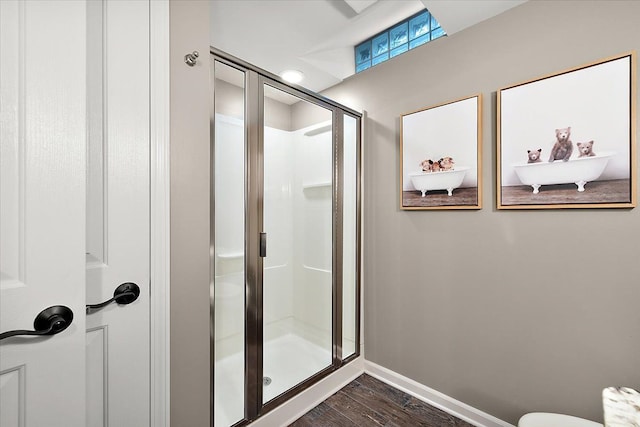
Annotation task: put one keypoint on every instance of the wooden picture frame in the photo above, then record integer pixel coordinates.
(440, 156)
(568, 140)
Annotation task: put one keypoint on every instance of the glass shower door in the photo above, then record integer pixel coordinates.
(228, 294)
(285, 240)
(298, 221)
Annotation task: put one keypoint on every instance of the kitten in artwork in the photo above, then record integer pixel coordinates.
(585, 149)
(426, 165)
(534, 155)
(563, 147)
(446, 163)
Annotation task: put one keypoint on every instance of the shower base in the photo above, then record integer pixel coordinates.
(288, 360)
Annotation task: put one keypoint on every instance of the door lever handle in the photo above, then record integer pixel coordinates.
(124, 294)
(49, 321)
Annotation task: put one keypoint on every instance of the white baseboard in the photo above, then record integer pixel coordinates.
(299, 405)
(434, 397)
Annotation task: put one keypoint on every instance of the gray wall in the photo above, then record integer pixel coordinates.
(190, 189)
(508, 311)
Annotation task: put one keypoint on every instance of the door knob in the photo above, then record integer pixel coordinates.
(49, 321)
(124, 294)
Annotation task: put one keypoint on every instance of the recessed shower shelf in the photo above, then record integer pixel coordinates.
(316, 185)
(230, 255)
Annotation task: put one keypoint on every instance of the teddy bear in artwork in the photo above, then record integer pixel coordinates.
(534, 155)
(585, 149)
(563, 147)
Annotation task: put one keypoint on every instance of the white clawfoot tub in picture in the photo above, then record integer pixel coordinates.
(578, 171)
(442, 180)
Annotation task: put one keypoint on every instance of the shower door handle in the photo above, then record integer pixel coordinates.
(263, 245)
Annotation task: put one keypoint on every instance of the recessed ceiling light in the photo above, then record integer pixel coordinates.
(292, 76)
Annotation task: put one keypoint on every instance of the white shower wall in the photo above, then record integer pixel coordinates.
(297, 269)
(312, 280)
(278, 217)
(229, 233)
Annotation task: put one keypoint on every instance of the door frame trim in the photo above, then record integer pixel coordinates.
(159, 85)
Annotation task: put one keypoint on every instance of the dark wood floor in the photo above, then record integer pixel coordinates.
(367, 401)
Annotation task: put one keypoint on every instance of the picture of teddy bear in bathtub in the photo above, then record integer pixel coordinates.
(440, 157)
(568, 163)
(579, 173)
(564, 140)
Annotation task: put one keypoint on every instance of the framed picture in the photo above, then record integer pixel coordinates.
(568, 140)
(440, 150)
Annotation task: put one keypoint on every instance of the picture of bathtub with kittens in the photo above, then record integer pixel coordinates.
(566, 140)
(438, 174)
(443, 164)
(440, 156)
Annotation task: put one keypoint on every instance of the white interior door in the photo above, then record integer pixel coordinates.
(42, 209)
(74, 210)
(118, 212)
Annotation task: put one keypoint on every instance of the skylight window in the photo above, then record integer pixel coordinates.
(408, 34)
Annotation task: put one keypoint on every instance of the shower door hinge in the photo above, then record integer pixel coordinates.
(263, 245)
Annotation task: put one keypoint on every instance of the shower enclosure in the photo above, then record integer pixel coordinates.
(285, 239)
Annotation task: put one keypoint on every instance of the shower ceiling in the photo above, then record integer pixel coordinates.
(317, 36)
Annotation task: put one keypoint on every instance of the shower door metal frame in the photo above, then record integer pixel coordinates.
(359, 117)
(255, 80)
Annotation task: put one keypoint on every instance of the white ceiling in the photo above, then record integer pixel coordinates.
(317, 36)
